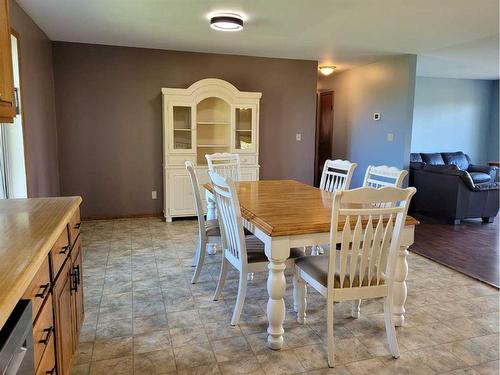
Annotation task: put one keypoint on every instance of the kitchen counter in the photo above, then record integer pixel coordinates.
(28, 230)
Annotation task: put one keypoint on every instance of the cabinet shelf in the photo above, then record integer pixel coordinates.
(244, 130)
(213, 145)
(213, 123)
(182, 130)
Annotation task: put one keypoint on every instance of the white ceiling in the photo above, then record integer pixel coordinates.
(453, 38)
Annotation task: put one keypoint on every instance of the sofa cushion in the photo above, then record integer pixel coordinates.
(479, 177)
(433, 158)
(457, 158)
(415, 158)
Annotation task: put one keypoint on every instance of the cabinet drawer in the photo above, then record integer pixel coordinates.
(175, 160)
(43, 330)
(59, 252)
(48, 362)
(248, 159)
(74, 226)
(39, 288)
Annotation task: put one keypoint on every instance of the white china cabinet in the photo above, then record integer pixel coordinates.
(210, 116)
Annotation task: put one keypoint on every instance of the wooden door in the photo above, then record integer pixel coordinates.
(63, 313)
(324, 133)
(77, 295)
(7, 105)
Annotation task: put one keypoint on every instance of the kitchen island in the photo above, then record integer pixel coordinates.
(40, 260)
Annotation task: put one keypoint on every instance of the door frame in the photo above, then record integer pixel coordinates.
(21, 100)
(317, 174)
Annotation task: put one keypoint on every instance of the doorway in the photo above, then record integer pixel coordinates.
(324, 133)
(13, 182)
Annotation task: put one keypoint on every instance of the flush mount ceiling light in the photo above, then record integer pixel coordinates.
(327, 70)
(226, 22)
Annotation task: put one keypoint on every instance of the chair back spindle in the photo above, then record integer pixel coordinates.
(382, 175)
(336, 175)
(190, 168)
(225, 165)
(229, 215)
(369, 239)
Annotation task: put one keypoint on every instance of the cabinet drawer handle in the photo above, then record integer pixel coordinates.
(45, 289)
(77, 225)
(49, 331)
(51, 372)
(64, 249)
(73, 281)
(77, 273)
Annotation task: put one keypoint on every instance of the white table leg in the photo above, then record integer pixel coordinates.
(276, 285)
(399, 287)
(211, 215)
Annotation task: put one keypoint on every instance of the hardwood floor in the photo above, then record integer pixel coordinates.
(471, 248)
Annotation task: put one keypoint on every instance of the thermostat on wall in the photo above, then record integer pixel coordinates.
(376, 116)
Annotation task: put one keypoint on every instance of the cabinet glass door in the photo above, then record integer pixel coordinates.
(182, 128)
(244, 129)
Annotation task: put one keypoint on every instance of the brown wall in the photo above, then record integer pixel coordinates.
(37, 80)
(109, 118)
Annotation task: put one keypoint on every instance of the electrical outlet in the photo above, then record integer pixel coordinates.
(390, 137)
(298, 137)
(154, 195)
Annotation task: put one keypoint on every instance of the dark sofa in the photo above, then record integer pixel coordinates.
(450, 186)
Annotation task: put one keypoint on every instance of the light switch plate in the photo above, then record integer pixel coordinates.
(154, 195)
(298, 137)
(390, 137)
(376, 116)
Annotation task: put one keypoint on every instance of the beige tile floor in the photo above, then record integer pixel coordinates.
(142, 316)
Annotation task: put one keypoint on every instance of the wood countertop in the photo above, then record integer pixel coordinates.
(28, 230)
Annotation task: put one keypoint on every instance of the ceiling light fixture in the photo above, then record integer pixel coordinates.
(226, 22)
(327, 70)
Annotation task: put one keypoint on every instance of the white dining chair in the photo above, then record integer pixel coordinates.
(208, 230)
(365, 265)
(245, 253)
(337, 175)
(382, 175)
(225, 164)
(378, 177)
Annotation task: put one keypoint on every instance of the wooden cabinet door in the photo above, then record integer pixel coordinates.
(63, 313)
(77, 295)
(7, 106)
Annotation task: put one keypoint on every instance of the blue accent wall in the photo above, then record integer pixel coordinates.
(387, 87)
(455, 115)
(493, 136)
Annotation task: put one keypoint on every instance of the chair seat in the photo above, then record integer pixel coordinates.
(317, 268)
(479, 177)
(213, 229)
(256, 254)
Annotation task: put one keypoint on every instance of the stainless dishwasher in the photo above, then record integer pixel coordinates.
(16, 342)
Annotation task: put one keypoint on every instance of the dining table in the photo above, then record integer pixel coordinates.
(285, 214)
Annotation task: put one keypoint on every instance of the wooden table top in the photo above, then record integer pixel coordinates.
(28, 230)
(286, 207)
